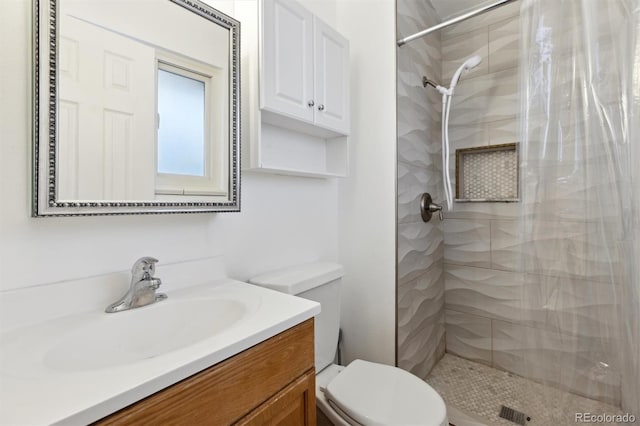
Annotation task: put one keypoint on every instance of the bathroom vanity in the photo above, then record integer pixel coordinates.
(216, 351)
(271, 383)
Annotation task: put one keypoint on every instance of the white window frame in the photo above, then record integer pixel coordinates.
(215, 181)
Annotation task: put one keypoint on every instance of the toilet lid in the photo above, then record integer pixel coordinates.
(376, 395)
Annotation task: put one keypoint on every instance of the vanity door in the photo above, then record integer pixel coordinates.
(295, 405)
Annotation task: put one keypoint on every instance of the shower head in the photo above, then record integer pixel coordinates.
(472, 62)
(469, 64)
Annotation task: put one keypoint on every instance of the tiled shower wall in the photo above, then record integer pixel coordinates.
(543, 320)
(421, 341)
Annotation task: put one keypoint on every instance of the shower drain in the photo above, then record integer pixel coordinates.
(515, 416)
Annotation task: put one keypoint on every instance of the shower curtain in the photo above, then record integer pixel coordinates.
(580, 205)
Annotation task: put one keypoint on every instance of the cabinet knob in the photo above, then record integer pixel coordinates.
(311, 103)
(321, 107)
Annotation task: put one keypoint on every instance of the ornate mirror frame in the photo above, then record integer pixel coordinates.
(45, 124)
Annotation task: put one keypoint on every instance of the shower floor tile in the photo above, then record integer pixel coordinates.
(479, 391)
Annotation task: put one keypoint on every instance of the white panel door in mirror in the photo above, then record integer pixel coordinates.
(103, 76)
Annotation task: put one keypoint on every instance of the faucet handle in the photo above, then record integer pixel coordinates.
(144, 266)
(428, 208)
(436, 208)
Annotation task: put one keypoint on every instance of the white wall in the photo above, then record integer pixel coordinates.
(367, 213)
(284, 220)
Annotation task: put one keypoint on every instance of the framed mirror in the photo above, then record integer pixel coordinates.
(136, 108)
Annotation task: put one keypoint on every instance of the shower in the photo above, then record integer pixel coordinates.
(447, 94)
(527, 306)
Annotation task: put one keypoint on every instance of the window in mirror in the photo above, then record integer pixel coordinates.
(189, 137)
(181, 124)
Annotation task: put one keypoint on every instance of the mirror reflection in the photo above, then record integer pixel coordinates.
(144, 107)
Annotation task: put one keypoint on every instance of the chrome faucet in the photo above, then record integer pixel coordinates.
(142, 290)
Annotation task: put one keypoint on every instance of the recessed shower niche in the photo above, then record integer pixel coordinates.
(487, 173)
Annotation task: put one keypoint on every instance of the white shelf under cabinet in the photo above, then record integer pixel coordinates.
(293, 153)
(281, 133)
(294, 172)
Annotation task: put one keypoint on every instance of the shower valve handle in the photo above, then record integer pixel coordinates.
(428, 208)
(434, 207)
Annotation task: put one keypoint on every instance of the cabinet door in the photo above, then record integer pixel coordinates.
(295, 405)
(287, 59)
(331, 79)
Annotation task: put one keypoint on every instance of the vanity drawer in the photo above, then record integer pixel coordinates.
(280, 369)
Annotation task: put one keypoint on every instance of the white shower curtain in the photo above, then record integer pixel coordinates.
(580, 209)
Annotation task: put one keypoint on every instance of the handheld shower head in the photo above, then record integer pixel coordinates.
(447, 94)
(472, 62)
(466, 66)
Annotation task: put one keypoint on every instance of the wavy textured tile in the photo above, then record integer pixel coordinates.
(418, 137)
(553, 188)
(421, 322)
(412, 182)
(417, 147)
(504, 131)
(568, 249)
(467, 242)
(467, 135)
(555, 193)
(413, 16)
(504, 48)
(418, 114)
(582, 308)
(473, 211)
(457, 49)
(566, 179)
(468, 336)
(420, 246)
(557, 359)
(506, 248)
(486, 98)
(484, 292)
(421, 57)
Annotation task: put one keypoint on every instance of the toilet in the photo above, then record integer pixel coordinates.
(362, 393)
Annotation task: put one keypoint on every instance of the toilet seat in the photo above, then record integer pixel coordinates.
(374, 394)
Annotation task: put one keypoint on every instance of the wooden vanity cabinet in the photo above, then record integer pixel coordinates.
(271, 383)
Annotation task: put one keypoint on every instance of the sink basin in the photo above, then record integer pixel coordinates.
(136, 335)
(81, 364)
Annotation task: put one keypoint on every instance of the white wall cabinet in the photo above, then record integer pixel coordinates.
(287, 60)
(299, 123)
(305, 67)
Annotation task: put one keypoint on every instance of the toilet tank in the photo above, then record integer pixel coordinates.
(319, 282)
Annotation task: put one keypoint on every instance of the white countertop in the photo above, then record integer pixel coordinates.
(35, 393)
